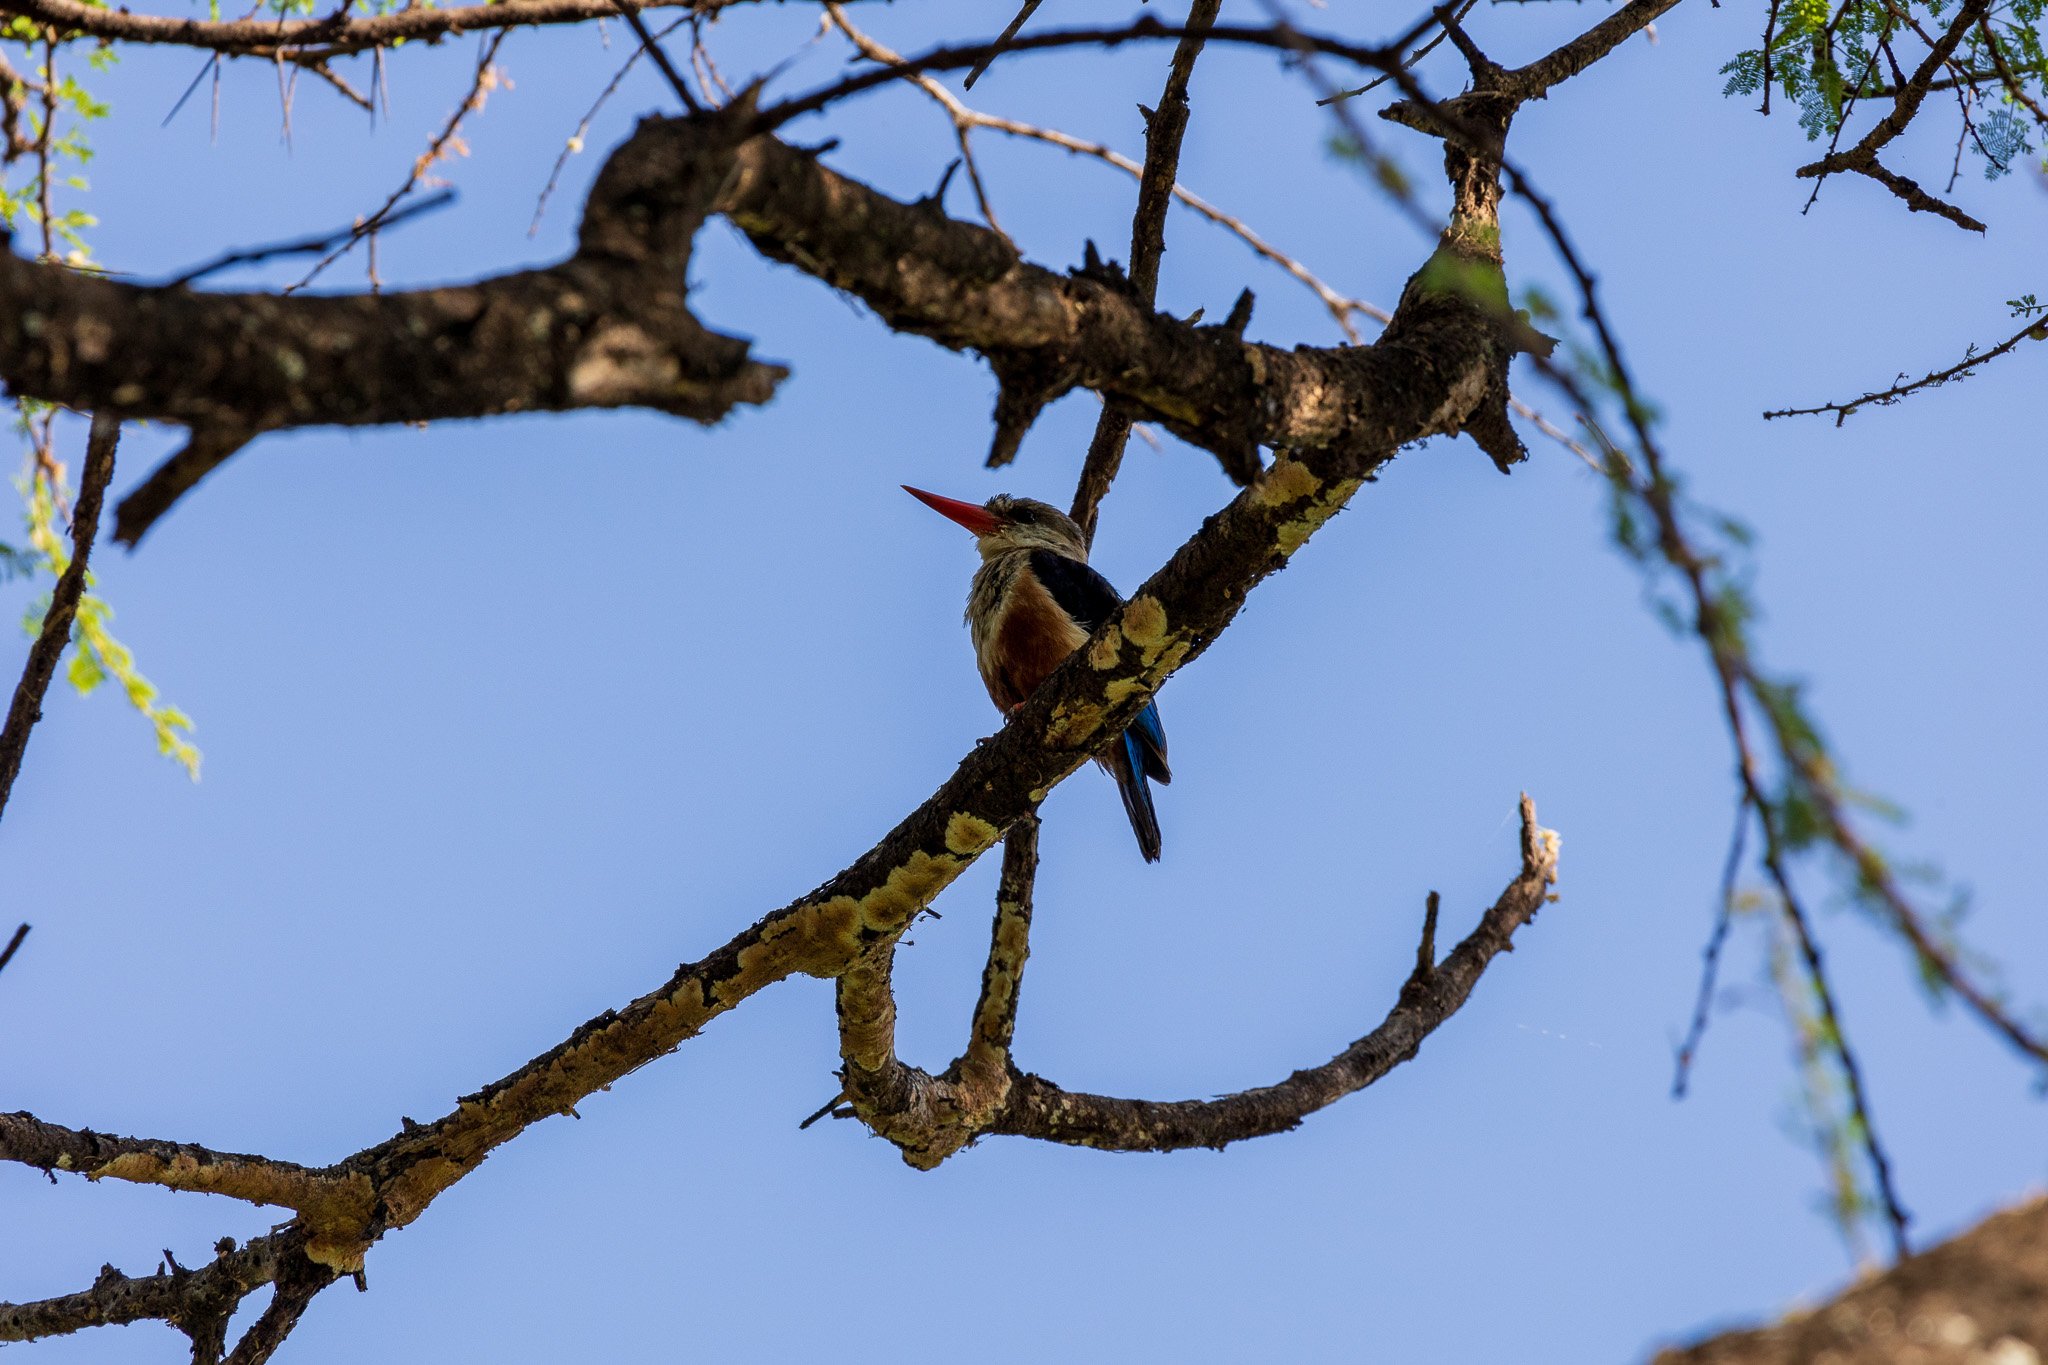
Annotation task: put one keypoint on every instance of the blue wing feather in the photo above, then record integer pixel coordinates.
(1090, 599)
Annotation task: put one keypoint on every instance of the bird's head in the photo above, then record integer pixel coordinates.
(1004, 524)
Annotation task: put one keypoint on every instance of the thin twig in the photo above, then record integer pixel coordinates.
(1724, 916)
(309, 245)
(575, 142)
(479, 88)
(1278, 37)
(1023, 16)
(659, 56)
(1341, 308)
(13, 945)
(1165, 127)
(1412, 58)
(2033, 331)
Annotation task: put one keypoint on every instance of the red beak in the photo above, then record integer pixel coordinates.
(979, 520)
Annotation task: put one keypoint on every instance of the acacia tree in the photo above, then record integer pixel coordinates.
(1301, 429)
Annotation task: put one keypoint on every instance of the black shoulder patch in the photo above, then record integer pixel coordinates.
(1080, 592)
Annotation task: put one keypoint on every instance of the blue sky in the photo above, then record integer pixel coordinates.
(502, 720)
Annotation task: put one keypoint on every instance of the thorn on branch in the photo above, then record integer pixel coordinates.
(1239, 317)
(827, 1107)
(936, 200)
(1425, 953)
(1107, 273)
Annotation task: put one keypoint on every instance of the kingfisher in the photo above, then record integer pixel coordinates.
(1034, 601)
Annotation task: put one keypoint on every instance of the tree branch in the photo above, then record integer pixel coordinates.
(1040, 1109)
(2035, 330)
(1164, 129)
(187, 1299)
(966, 288)
(27, 706)
(608, 327)
(318, 1195)
(1862, 158)
(995, 1010)
(309, 40)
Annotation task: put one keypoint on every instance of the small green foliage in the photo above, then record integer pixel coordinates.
(1385, 171)
(1824, 1113)
(97, 657)
(1825, 58)
(1539, 305)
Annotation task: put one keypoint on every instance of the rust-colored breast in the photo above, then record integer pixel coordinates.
(1032, 638)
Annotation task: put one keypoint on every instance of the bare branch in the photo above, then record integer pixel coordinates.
(1862, 158)
(193, 1300)
(27, 706)
(182, 1166)
(651, 45)
(1021, 18)
(1933, 379)
(480, 85)
(1710, 966)
(1341, 307)
(1497, 92)
(1279, 37)
(1336, 417)
(1164, 129)
(1046, 333)
(308, 40)
(1040, 1109)
(1538, 78)
(995, 1011)
(307, 246)
(13, 944)
(608, 327)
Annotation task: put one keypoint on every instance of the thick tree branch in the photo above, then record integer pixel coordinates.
(966, 288)
(26, 708)
(929, 1117)
(1433, 363)
(182, 1166)
(994, 1025)
(1534, 81)
(310, 40)
(606, 328)
(196, 1301)
(1040, 1109)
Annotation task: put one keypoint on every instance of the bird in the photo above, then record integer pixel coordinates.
(1034, 601)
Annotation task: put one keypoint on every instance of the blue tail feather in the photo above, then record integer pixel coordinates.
(1137, 792)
